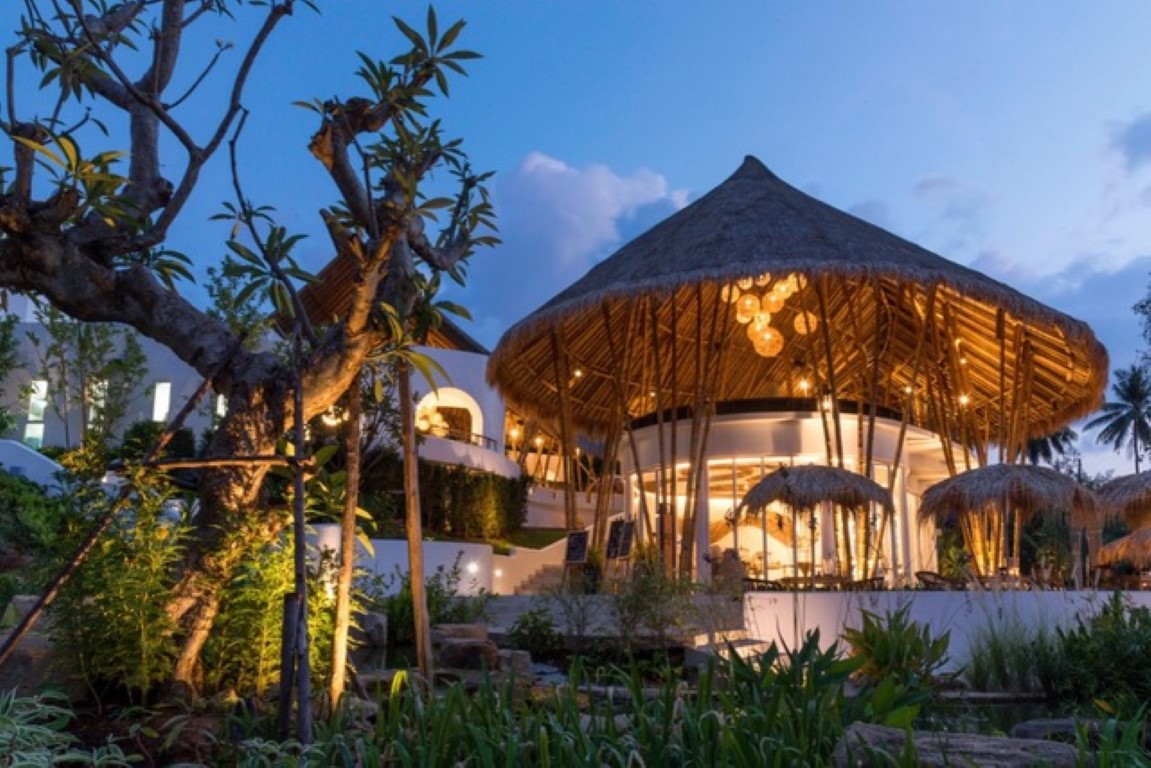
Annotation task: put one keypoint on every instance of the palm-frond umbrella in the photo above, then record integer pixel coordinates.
(1128, 497)
(1135, 548)
(803, 488)
(1025, 489)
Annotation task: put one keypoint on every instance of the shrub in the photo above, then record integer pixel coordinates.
(897, 647)
(111, 615)
(445, 606)
(1003, 655)
(534, 631)
(650, 606)
(1106, 656)
(243, 652)
(454, 501)
(140, 437)
(30, 519)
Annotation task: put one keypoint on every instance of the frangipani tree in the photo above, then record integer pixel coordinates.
(103, 161)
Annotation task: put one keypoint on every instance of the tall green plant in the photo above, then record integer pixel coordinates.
(895, 646)
(111, 616)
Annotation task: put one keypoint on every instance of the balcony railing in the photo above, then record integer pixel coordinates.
(463, 436)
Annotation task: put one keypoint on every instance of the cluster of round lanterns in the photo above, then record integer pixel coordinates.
(757, 300)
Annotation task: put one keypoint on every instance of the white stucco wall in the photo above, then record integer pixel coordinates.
(387, 555)
(786, 617)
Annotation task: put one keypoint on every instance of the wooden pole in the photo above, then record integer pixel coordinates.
(414, 523)
(347, 559)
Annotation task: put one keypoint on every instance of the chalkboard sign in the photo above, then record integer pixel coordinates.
(619, 538)
(576, 551)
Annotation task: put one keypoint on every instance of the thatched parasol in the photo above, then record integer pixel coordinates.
(1128, 496)
(1025, 487)
(626, 338)
(1135, 548)
(1021, 489)
(804, 487)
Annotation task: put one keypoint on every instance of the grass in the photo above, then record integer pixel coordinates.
(533, 538)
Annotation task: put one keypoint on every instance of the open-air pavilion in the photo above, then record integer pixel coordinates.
(759, 327)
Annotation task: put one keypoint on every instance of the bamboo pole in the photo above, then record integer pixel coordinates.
(831, 381)
(414, 522)
(661, 470)
(563, 387)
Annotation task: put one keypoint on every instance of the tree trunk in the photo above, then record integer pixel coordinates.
(347, 548)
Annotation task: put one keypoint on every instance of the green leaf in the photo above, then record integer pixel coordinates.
(412, 35)
(41, 149)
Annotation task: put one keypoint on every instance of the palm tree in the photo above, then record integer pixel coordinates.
(1128, 420)
(1048, 447)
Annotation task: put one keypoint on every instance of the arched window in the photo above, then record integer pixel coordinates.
(450, 412)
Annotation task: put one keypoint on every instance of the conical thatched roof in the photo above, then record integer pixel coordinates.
(644, 314)
(1129, 497)
(1023, 487)
(804, 487)
(1135, 548)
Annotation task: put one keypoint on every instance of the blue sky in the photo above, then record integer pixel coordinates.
(1011, 137)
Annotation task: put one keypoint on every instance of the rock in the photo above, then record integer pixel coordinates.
(34, 666)
(516, 662)
(1056, 729)
(359, 710)
(442, 632)
(467, 654)
(375, 629)
(863, 742)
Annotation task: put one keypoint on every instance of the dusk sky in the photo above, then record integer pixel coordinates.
(1014, 138)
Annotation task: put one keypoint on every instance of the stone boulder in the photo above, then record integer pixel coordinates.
(465, 653)
(374, 629)
(863, 743)
(445, 632)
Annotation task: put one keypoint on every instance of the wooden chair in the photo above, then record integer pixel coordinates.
(937, 582)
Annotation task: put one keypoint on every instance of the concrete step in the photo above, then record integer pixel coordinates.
(546, 578)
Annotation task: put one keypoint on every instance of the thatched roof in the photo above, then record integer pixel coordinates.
(325, 299)
(1135, 548)
(1128, 497)
(804, 487)
(1023, 487)
(658, 300)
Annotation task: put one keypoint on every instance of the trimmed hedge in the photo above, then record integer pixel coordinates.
(454, 501)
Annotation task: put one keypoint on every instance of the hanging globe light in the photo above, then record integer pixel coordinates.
(770, 343)
(763, 279)
(745, 283)
(746, 307)
(760, 320)
(729, 293)
(772, 302)
(783, 288)
(798, 281)
(805, 323)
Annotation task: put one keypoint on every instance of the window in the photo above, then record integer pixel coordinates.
(162, 401)
(97, 398)
(221, 406)
(34, 435)
(37, 400)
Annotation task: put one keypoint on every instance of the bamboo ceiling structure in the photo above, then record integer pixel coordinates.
(870, 318)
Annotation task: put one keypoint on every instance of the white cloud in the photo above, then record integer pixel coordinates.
(1133, 141)
(556, 222)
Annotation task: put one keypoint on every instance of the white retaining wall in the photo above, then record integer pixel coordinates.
(476, 566)
(786, 617)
